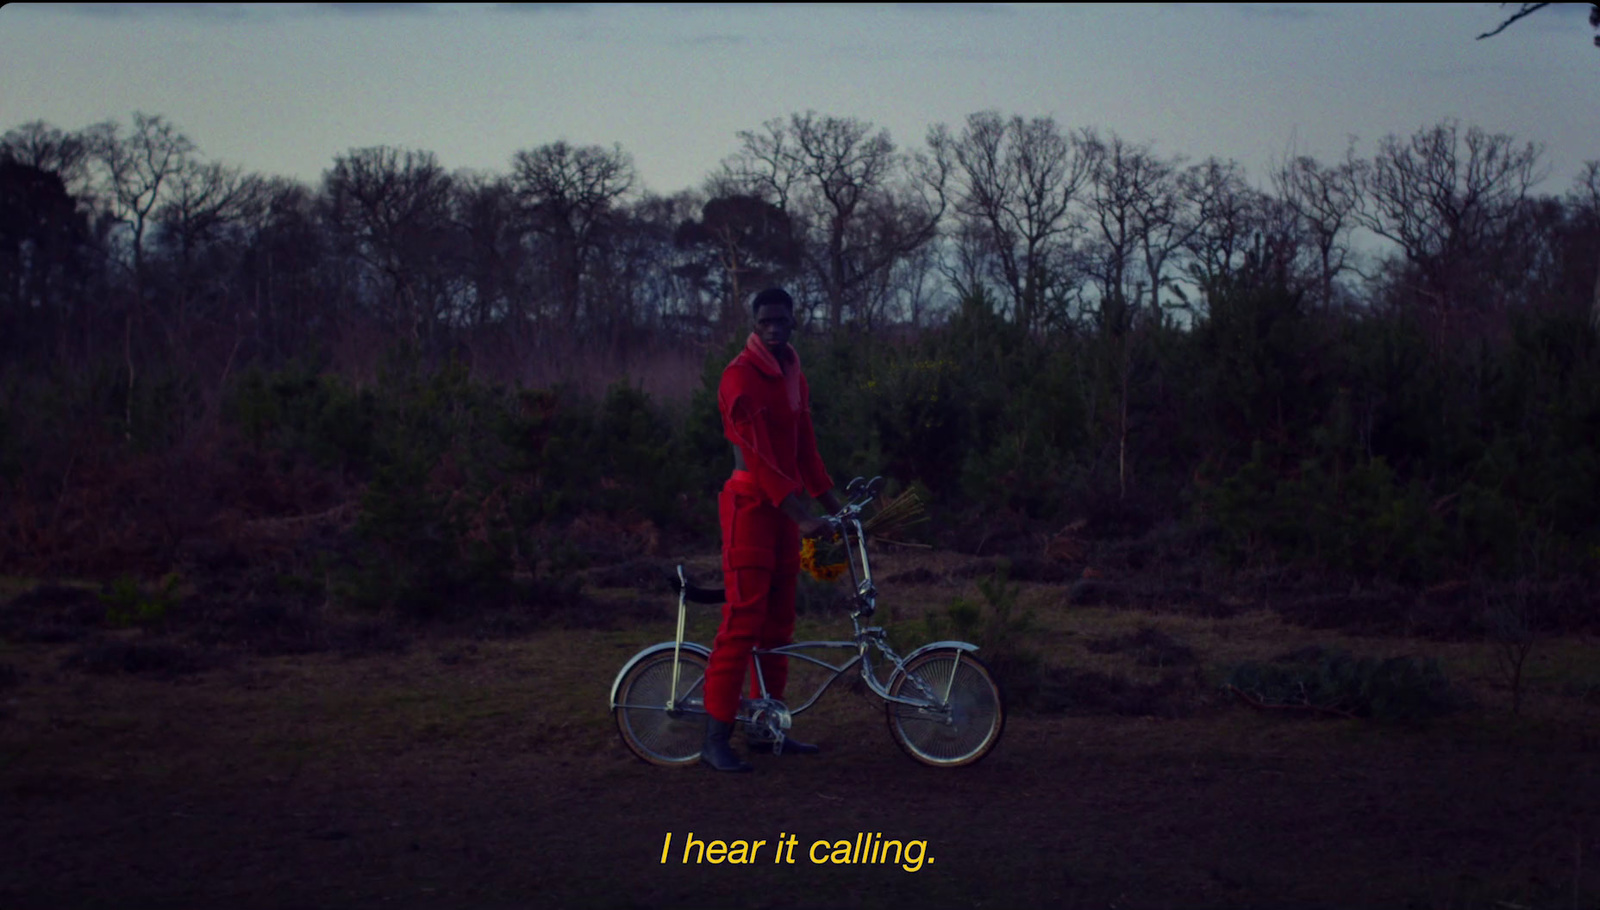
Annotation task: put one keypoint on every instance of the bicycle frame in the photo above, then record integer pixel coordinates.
(864, 642)
(935, 719)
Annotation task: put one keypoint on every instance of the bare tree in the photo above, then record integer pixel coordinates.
(1527, 9)
(651, 260)
(739, 243)
(486, 213)
(42, 238)
(1140, 219)
(38, 144)
(632, 275)
(1447, 199)
(1015, 184)
(138, 170)
(204, 201)
(291, 272)
(569, 198)
(1585, 198)
(864, 206)
(915, 288)
(1228, 217)
(1168, 216)
(392, 206)
(1324, 202)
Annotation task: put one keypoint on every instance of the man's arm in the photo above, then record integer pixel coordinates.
(830, 502)
(810, 525)
(812, 471)
(743, 426)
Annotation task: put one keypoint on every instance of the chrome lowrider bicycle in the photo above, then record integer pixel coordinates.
(942, 705)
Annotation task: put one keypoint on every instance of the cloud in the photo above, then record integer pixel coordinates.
(242, 12)
(538, 8)
(1277, 12)
(711, 40)
(231, 12)
(375, 9)
(958, 9)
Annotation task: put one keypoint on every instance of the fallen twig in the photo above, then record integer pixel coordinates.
(1254, 702)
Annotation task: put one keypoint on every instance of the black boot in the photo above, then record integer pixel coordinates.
(716, 750)
(791, 746)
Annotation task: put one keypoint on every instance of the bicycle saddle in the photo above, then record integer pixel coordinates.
(696, 594)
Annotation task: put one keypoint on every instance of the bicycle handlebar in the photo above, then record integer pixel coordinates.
(859, 492)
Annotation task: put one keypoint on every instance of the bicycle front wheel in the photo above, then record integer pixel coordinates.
(964, 715)
(655, 733)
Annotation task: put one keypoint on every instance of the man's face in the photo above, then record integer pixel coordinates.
(774, 325)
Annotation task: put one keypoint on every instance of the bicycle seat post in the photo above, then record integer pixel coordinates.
(677, 646)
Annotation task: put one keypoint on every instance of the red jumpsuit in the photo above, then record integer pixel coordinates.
(766, 412)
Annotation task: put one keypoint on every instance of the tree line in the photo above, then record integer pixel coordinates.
(128, 236)
(1021, 316)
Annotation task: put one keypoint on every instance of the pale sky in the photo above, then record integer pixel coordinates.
(282, 89)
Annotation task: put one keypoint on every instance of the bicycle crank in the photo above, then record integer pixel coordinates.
(765, 720)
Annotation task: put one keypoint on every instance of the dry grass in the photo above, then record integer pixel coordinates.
(465, 681)
(459, 739)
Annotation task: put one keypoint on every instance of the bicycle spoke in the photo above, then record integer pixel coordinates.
(653, 732)
(952, 733)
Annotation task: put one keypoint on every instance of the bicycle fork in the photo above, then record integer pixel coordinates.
(677, 642)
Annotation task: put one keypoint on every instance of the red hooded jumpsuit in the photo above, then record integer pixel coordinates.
(766, 412)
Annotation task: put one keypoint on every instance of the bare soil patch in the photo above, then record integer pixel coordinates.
(466, 769)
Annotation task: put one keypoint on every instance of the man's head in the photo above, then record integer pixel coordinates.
(773, 310)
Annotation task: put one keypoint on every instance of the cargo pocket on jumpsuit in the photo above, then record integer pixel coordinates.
(748, 578)
(747, 553)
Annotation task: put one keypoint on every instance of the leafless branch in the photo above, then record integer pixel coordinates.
(1528, 9)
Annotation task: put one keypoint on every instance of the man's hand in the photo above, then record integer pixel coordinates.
(830, 502)
(815, 527)
(811, 526)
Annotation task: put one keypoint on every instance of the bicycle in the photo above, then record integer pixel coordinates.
(941, 703)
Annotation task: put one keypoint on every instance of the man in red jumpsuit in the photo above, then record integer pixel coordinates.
(766, 414)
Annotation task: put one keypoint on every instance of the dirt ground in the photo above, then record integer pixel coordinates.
(464, 773)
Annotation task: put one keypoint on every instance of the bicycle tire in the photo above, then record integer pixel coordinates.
(653, 733)
(977, 706)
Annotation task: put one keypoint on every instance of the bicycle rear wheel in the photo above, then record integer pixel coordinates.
(655, 734)
(961, 735)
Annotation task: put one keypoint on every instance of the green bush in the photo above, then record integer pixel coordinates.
(129, 603)
(1371, 441)
(631, 451)
(433, 542)
(307, 415)
(1330, 681)
(1364, 521)
(1260, 371)
(11, 441)
(1000, 631)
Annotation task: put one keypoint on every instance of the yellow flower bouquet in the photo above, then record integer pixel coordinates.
(827, 560)
(819, 571)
